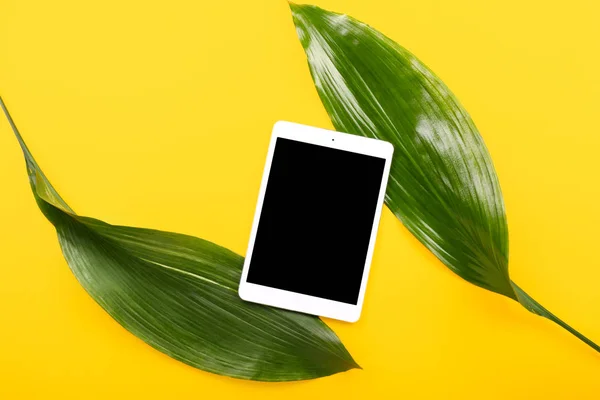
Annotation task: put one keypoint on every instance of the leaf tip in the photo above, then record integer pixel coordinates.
(15, 130)
(351, 362)
(301, 9)
(299, 16)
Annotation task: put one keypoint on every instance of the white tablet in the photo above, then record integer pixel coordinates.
(316, 220)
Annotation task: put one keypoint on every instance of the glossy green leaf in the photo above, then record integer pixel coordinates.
(179, 294)
(442, 186)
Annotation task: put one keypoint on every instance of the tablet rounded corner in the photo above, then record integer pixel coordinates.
(280, 125)
(242, 292)
(354, 317)
(389, 148)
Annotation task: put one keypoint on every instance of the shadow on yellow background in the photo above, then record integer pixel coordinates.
(159, 114)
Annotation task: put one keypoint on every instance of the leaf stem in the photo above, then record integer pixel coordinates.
(529, 303)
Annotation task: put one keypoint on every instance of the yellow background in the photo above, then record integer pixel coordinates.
(158, 114)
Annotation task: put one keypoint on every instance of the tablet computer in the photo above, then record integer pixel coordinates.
(316, 221)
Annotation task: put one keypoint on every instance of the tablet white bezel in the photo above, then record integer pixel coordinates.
(301, 302)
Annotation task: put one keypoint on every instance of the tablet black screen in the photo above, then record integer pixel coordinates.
(316, 221)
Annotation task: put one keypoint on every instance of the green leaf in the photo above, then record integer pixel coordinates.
(179, 294)
(442, 186)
